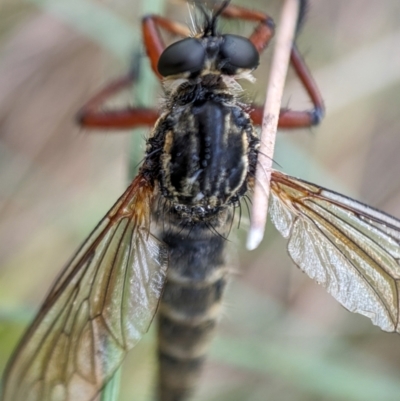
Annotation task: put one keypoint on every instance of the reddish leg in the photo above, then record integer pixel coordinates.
(90, 116)
(260, 38)
(298, 119)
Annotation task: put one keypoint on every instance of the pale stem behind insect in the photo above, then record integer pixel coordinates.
(279, 66)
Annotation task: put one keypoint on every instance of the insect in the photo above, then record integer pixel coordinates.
(164, 238)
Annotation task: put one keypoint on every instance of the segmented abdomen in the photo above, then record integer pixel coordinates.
(191, 303)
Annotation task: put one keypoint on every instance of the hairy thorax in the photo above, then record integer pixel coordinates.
(204, 147)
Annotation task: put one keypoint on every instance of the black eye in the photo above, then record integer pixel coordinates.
(187, 55)
(237, 52)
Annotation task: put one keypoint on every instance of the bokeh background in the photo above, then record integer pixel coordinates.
(282, 337)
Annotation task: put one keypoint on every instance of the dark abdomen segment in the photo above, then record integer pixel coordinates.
(191, 303)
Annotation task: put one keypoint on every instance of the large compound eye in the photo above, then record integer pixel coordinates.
(237, 52)
(187, 55)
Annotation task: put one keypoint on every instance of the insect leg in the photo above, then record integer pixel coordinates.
(293, 118)
(91, 117)
(260, 38)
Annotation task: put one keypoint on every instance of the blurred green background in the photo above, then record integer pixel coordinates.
(282, 337)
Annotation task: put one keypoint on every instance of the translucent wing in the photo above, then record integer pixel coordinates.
(351, 249)
(98, 309)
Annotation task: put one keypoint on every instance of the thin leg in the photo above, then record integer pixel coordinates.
(308, 82)
(298, 119)
(260, 38)
(90, 116)
(289, 118)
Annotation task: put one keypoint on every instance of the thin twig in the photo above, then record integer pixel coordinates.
(279, 67)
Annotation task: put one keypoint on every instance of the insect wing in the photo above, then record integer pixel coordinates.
(99, 307)
(351, 249)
